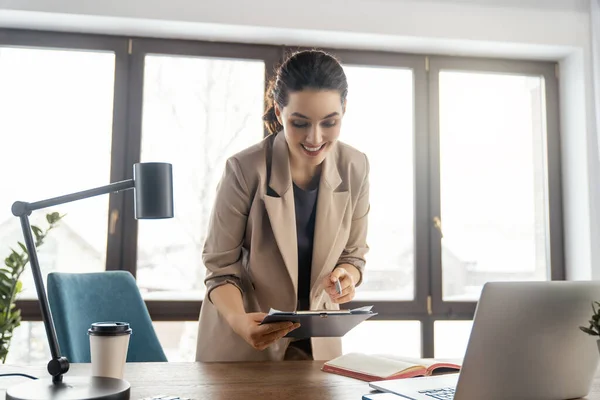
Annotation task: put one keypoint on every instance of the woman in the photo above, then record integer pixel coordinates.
(289, 220)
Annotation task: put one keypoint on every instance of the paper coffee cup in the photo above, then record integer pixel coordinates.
(109, 342)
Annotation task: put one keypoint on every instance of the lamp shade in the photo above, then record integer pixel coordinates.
(153, 190)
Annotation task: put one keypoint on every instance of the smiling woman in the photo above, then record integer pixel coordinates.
(289, 221)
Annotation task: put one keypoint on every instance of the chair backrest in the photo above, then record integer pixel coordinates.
(78, 300)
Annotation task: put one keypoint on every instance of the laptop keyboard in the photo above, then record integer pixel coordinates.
(440, 394)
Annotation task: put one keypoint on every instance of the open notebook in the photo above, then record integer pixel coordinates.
(378, 367)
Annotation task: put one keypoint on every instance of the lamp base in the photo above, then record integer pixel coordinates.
(72, 388)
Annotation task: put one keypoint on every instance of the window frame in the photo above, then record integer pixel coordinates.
(165, 310)
(30, 310)
(545, 70)
(428, 305)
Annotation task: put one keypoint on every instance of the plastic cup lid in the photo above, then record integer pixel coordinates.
(109, 329)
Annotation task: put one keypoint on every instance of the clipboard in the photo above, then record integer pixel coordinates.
(320, 323)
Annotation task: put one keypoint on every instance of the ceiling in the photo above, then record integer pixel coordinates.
(557, 5)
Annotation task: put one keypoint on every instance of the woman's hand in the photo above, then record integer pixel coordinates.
(347, 275)
(259, 336)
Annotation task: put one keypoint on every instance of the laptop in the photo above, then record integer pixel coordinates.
(525, 344)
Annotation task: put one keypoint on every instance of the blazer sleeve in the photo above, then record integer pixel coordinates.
(356, 246)
(222, 253)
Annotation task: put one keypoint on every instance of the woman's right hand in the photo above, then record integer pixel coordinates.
(260, 337)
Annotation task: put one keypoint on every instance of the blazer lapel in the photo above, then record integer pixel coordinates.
(331, 208)
(279, 203)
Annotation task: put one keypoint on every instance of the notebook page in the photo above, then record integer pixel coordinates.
(426, 362)
(370, 365)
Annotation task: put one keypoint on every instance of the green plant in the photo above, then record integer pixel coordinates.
(11, 286)
(594, 328)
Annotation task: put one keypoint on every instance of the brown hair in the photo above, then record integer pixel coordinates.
(310, 69)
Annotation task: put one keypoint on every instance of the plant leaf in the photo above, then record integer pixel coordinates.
(9, 262)
(23, 247)
(39, 234)
(588, 331)
(16, 257)
(53, 218)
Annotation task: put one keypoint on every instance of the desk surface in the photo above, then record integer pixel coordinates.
(289, 380)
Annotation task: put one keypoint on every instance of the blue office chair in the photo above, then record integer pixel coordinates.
(78, 300)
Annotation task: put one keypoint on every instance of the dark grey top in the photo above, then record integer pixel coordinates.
(305, 203)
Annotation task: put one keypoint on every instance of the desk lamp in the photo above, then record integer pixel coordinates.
(153, 194)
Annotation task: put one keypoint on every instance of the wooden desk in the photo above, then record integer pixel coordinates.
(289, 380)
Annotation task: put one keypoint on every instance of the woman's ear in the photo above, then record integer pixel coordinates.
(344, 106)
(278, 113)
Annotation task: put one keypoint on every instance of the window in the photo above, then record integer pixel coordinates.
(197, 112)
(398, 338)
(178, 339)
(451, 338)
(57, 117)
(379, 121)
(29, 345)
(464, 156)
(493, 181)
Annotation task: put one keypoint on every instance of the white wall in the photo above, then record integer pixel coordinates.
(577, 176)
(595, 22)
(535, 29)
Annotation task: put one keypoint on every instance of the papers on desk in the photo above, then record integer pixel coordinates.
(360, 310)
(321, 323)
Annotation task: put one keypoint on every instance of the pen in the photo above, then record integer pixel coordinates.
(338, 286)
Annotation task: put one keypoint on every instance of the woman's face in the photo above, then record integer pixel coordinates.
(311, 122)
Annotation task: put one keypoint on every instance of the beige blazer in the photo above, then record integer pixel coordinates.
(251, 242)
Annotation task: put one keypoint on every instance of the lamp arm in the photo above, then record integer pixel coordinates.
(20, 208)
(59, 365)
